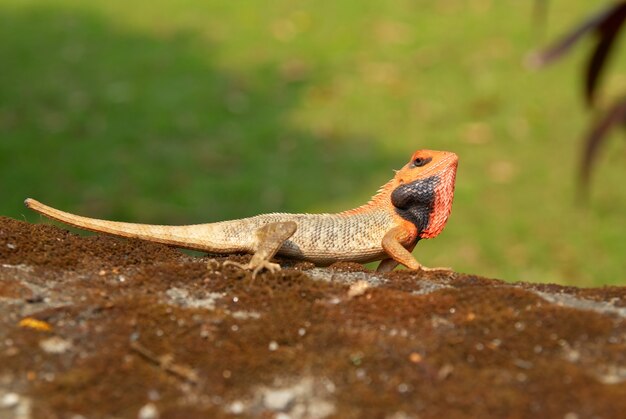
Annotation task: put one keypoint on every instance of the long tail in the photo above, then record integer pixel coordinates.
(206, 237)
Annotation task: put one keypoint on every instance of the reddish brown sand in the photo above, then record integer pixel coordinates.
(139, 329)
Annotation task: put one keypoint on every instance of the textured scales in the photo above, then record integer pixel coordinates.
(327, 238)
(414, 204)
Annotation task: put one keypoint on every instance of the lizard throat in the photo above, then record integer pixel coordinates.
(415, 201)
(426, 203)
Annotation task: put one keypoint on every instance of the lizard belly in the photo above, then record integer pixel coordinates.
(324, 258)
(325, 238)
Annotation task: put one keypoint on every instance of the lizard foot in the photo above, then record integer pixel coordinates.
(255, 267)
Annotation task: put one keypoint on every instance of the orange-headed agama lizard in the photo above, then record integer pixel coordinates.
(414, 205)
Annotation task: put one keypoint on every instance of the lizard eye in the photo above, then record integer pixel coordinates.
(421, 161)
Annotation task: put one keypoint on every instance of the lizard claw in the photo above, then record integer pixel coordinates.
(270, 266)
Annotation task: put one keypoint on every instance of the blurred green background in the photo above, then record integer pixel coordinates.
(196, 111)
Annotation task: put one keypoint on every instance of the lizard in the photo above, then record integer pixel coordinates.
(415, 204)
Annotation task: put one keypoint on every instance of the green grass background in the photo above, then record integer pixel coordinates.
(195, 111)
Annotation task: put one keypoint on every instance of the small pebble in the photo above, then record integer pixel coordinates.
(358, 288)
(10, 400)
(55, 345)
(445, 371)
(272, 346)
(236, 408)
(278, 399)
(415, 358)
(148, 411)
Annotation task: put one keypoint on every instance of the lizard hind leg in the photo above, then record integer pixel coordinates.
(387, 265)
(270, 238)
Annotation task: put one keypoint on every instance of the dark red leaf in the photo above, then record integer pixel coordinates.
(608, 31)
(564, 45)
(597, 137)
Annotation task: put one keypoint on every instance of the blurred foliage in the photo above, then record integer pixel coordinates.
(605, 26)
(194, 111)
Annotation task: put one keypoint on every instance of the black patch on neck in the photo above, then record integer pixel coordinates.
(415, 201)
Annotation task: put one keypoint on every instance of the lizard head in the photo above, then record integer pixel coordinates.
(422, 191)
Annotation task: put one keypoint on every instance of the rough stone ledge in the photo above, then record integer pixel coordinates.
(100, 327)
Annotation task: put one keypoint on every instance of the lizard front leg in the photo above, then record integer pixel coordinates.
(399, 254)
(270, 238)
(388, 264)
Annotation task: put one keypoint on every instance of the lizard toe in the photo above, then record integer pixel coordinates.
(271, 267)
(241, 266)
